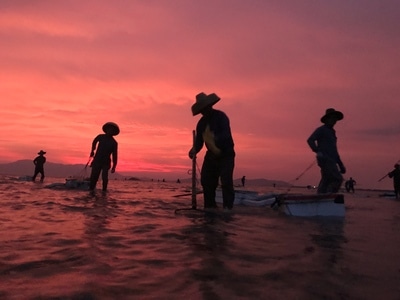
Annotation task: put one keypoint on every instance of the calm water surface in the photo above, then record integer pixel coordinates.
(132, 244)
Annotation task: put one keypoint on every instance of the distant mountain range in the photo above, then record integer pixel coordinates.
(26, 168)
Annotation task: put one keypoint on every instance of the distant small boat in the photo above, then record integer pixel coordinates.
(326, 205)
(75, 183)
(25, 178)
(248, 198)
(390, 195)
(70, 183)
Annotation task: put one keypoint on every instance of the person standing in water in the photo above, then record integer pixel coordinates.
(395, 174)
(107, 147)
(323, 142)
(350, 185)
(243, 180)
(213, 130)
(39, 162)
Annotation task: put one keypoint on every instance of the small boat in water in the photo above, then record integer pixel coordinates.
(389, 195)
(248, 198)
(70, 184)
(326, 205)
(25, 178)
(74, 183)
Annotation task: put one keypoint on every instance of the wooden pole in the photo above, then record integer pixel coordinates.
(383, 177)
(387, 173)
(194, 180)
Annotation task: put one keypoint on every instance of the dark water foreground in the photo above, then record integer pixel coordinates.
(130, 244)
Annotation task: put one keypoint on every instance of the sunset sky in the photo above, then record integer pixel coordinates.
(67, 67)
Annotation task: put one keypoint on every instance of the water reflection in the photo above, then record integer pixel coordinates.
(329, 239)
(208, 236)
(97, 234)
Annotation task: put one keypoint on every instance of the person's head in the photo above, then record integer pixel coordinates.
(396, 166)
(204, 103)
(110, 128)
(41, 152)
(331, 117)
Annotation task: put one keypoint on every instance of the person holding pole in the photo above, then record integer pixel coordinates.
(107, 147)
(213, 130)
(395, 174)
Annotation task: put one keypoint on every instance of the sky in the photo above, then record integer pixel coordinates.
(67, 67)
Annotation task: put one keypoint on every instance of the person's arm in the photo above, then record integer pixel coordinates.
(311, 141)
(209, 140)
(114, 158)
(199, 142)
(341, 166)
(94, 143)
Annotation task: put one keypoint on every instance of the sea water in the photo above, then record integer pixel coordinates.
(139, 241)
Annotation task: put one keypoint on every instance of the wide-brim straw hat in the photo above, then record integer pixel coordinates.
(41, 152)
(332, 112)
(111, 127)
(202, 101)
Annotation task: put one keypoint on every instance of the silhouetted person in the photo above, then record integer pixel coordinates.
(347, 187)
(107, 147)
(323, 142)
(39, 162)
(243, 180)
(213, 130)
(395, 174)
(350, 185)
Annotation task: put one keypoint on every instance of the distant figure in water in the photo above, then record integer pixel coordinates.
(39, 162)
(323, 142)
(243, 180)
(107, 147)
(395, 174)
(213, 130)
(350, 185)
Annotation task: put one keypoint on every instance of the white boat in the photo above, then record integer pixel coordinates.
(248, 198)
(326, 205)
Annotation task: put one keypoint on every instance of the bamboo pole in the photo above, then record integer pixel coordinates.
(194, 179)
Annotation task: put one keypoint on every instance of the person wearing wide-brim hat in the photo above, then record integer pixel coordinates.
(395, 174)
(111, 128)
(39, 162)
(107, 147)
(213, 130)
(323, 142)
(332, 114)
(204, 102)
